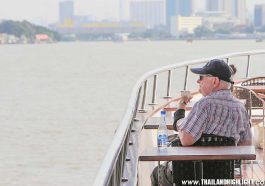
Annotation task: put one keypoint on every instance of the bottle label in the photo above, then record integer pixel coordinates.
(162, 140)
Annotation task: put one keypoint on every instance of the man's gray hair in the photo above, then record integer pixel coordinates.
(225, 84)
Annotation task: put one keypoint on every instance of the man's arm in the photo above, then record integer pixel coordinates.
(186, 139)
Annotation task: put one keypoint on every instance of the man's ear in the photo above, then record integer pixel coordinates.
(216, 82)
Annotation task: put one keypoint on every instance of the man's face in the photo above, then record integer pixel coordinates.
(206, 84)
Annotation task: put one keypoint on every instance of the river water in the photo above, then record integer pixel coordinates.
(61, 103)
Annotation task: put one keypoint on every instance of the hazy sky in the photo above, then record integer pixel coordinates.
(46, 11)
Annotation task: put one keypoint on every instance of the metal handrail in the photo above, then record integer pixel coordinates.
(248, 64)
(168, 84)
(154, 90)
(106, 169)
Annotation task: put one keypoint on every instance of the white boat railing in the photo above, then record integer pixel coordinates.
(112, 168)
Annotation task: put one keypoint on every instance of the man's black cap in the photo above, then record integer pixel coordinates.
(217, 68)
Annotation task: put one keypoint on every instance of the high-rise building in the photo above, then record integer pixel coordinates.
(184, 7)
(214, 5)
(121, 11)
(236, 9)
(241, 11)
(151, 13)
(259, 15)
(124, 10)
(178, 8)
(171, 10)
(232, 9)
(66, 10)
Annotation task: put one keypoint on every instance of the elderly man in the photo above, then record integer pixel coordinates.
(218, 112)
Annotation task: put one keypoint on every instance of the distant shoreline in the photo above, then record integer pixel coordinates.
(139, 40)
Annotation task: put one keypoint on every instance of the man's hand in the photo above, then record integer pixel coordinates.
(184, 101)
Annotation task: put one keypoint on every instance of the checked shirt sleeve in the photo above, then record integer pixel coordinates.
(195, 123)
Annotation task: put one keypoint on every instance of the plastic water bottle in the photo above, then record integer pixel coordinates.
(162, 134)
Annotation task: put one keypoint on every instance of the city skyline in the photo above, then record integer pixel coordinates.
(47, 11)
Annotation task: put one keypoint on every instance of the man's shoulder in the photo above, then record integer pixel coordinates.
(204, 101)
(207, 99)
(239, 103)
(215, 100)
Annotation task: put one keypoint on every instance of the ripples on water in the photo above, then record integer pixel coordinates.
(61, 103)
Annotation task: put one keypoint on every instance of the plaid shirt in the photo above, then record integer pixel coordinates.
(218, 113)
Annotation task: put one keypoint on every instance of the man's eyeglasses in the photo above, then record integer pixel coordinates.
(205, 75)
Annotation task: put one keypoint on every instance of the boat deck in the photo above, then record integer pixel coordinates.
(257, 171)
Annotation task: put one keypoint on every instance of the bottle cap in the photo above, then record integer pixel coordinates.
(163, 112)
